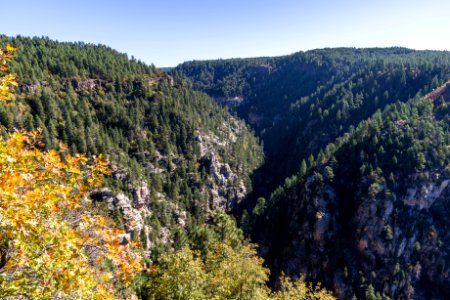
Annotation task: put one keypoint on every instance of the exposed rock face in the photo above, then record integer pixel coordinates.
(180, 216)
(88, 84)
(401, 246)
(135, 211)
(91, 83)
(229, 101)
(154, 218)
(141, 197)
(132, 216)
(225, 187)
(425, 195)
(118, 172)
(442, 91)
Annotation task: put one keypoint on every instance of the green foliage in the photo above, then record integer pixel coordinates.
(227, 268)
(222, 230)
(96, 100)
(388, 232)
(328, 173)
(370, 293)
(303, 168)
(259, 207)
(299, 103)
(417, 246)
(44, 59)
(347, 132)
(53, 241)
(415, 133)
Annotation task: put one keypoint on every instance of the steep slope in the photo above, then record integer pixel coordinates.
(362, 135)
(174, 154)
(299, 103)
(372, 212)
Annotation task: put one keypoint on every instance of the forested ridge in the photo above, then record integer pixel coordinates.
(353, 191)
(379, 194)
(95, 100)
(115, 178)
(299, 103)
(325, 168)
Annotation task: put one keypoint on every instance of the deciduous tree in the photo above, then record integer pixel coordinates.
(54, 243)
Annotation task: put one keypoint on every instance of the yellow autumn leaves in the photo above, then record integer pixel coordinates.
(54, 243)
(7, 81)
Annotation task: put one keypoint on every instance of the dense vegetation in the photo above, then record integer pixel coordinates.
(353, 192)
(360, 154)
(54, 242)
(57, 243)
(299, 103)
(365, 180)
(96, 100)
(218, 264)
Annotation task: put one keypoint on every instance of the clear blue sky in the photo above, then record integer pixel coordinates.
(168, 32)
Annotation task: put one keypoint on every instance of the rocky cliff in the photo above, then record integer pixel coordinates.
(224, 188)
(399, 246)
(370, 218)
